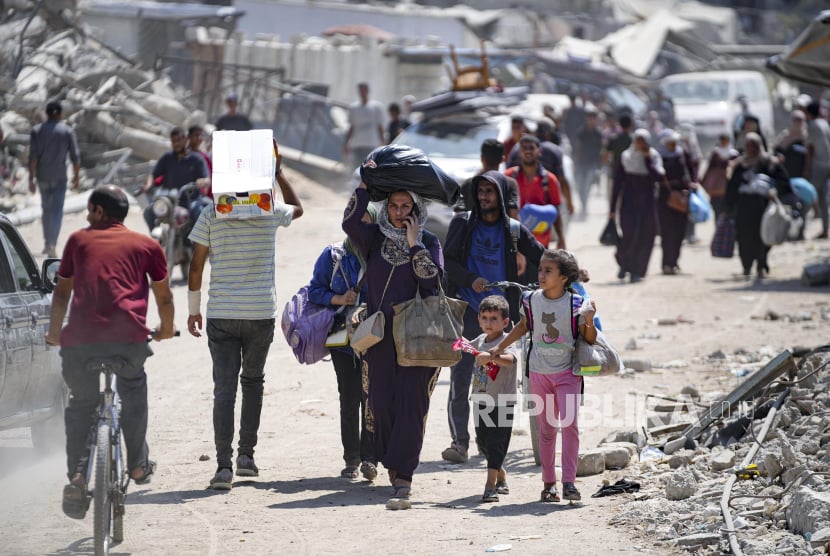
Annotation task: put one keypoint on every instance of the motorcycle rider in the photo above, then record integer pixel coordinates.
(174, 169)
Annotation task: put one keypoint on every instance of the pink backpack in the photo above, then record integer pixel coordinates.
(306, 326)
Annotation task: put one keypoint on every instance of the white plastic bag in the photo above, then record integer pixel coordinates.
(775, 224)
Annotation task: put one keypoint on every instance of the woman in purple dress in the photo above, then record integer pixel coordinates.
(401, 257)
(636, 179)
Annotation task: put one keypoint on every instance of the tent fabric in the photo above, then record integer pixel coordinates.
(807, 58)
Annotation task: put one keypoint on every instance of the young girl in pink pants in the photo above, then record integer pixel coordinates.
(549, 313)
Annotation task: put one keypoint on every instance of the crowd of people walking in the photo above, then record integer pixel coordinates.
(511, 211)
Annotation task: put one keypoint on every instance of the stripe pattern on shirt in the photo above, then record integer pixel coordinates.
(242, 277)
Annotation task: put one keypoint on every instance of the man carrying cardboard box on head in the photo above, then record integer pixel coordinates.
(242, 305)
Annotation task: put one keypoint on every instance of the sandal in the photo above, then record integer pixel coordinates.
(550, 495)
(490, 495)
(148, 474)
(75, 499)
(502, 488)
(400, 498)
(369, 470)
(349, 472)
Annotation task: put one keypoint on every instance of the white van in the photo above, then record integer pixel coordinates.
(709, 100)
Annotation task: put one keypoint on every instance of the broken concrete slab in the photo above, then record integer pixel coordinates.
(809, 510)
(590, 462)
(698, 539)
(721, 460)
(616, 457)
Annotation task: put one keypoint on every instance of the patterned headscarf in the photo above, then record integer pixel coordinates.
(398, 235)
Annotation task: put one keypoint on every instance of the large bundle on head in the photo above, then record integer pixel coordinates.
(399, 167)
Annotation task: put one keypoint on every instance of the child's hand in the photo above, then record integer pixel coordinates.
(589, 313)
(484, 357)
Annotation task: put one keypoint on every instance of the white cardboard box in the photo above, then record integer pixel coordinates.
(243, 173)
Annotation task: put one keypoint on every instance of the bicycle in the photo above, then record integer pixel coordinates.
(106, 459)
(505, 285)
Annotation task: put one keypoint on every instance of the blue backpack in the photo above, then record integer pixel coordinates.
(306, 326)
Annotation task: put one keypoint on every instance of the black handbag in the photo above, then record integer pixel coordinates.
(610, 236)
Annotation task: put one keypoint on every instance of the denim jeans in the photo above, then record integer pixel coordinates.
(461, 375)
(237, 345)
(52, 195)
(81, 414)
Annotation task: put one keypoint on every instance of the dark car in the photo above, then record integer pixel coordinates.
(32, 392)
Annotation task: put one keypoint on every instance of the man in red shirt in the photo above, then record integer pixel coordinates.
(537, 186)
(105, 270)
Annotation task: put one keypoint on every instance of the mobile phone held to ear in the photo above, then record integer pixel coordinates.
(416, 212)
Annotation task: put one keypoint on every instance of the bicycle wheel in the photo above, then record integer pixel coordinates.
(119, 494)
(103, 490)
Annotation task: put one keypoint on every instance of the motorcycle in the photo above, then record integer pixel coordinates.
(173, 224)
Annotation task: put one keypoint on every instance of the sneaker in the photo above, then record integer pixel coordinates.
(245, 466)
(502, 488)
(369, 470)
(222, 480)
(455, 454)
(569, 492)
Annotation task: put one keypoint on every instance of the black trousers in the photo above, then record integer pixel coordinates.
(83, 385)
(357, 442)
(494, 426)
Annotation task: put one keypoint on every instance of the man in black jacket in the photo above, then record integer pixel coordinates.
(481, 247)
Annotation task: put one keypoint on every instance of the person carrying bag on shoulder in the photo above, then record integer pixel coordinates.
(338, 282)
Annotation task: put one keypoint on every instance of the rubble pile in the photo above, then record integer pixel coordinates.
(122, 114)
(780, 500)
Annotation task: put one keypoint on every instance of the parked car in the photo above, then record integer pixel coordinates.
(454, 144)
(710, 101)
(32, 391)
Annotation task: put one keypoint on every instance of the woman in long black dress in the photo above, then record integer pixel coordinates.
(637, 174)
(672, 222)
(756, 177)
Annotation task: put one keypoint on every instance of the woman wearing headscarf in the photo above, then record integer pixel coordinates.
(672, 222)
(756, 177)
(637, 175)
(791, 145)
(337, 283)
(694, 156)
(751, 124)
(401, 258)
(715, 179)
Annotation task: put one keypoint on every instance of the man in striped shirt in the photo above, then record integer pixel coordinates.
(241, 311)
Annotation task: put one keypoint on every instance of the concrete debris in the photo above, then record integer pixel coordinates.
(681, 459)
(616, 457)
(809, 510)
(697, 540)
(785, 510)
(680, 485)
(639, 365)
(721, 460)
(111, 103)
(821, 538)
(591, 462)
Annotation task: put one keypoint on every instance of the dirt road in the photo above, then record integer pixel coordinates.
(299, 505)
